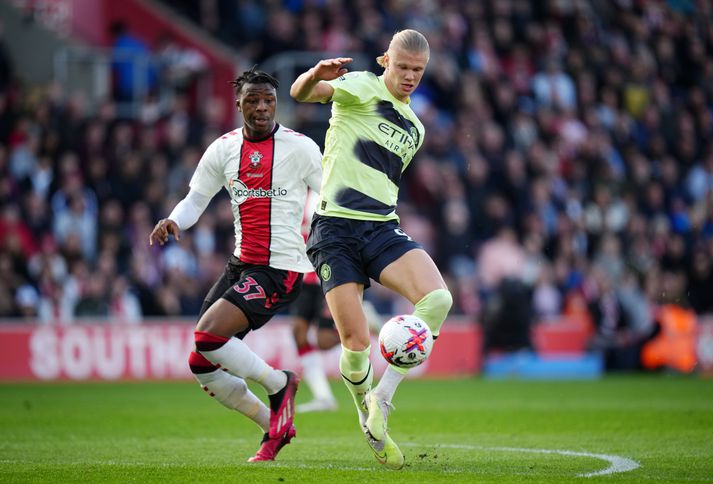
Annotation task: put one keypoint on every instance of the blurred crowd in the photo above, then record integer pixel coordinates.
(569, 146)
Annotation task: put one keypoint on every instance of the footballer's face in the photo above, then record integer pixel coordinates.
(404, 70)
(257, 103)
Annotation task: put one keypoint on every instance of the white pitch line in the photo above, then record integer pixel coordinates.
(617, 464)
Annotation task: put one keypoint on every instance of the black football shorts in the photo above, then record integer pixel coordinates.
(345, 250)
(311, 306)
(259, 291)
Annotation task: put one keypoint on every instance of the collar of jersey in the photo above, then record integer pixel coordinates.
(383, 84)
(255, 140)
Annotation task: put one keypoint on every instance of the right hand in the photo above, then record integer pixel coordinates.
(329, 69)
(162, 230)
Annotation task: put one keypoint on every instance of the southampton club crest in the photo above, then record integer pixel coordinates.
(255, 158)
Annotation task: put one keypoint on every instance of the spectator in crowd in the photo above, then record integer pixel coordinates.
(133, 71)
(584, 126)
(181, 66)
(507, 312)
(621, 318)
(553, 88)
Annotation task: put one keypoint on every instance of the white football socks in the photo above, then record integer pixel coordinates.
(239, 360)
(233, 393)
(390, 380)
(315, 377)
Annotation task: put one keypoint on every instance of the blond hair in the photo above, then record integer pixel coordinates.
(409, 40)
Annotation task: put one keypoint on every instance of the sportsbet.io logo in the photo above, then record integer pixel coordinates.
(325, 272)
(239, 192)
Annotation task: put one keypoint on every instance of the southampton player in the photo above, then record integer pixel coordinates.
(266, 169)
(355, 236)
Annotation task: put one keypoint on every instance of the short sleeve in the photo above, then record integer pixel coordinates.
(208, 178)
(313, 176)
(353, 88)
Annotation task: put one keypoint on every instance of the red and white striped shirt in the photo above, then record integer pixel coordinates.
(267, 180)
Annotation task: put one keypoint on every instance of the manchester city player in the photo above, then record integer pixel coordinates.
(372, 137)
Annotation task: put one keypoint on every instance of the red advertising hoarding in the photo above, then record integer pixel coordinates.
(160, 351)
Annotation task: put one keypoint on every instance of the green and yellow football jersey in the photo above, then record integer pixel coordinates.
(371, 139)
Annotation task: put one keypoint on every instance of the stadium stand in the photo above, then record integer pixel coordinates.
(587, 127)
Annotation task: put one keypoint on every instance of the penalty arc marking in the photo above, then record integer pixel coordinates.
(617, 464)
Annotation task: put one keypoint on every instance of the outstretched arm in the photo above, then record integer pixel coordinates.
(310, 86)
(162, 230)
(183, 216)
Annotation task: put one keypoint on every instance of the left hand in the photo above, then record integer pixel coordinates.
(163, 229)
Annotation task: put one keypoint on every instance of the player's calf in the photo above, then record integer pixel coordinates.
(229, 390)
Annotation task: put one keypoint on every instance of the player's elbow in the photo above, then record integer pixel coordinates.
(306, 90)
(299, 90)
(295, 93)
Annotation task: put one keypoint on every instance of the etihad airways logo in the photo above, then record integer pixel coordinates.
(239, 192)
(399, 141)
(399, 136)
(402, 136)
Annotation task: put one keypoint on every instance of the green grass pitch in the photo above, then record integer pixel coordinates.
(467, 430)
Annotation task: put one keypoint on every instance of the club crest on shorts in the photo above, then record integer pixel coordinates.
(325, 272)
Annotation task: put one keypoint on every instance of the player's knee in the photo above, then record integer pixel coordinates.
(327, 339)
(208, 324)
(323, 343)
(206, 341)
(434, 306)
(199, 364)
(355, 339)
(222, 318)
(439, 302)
